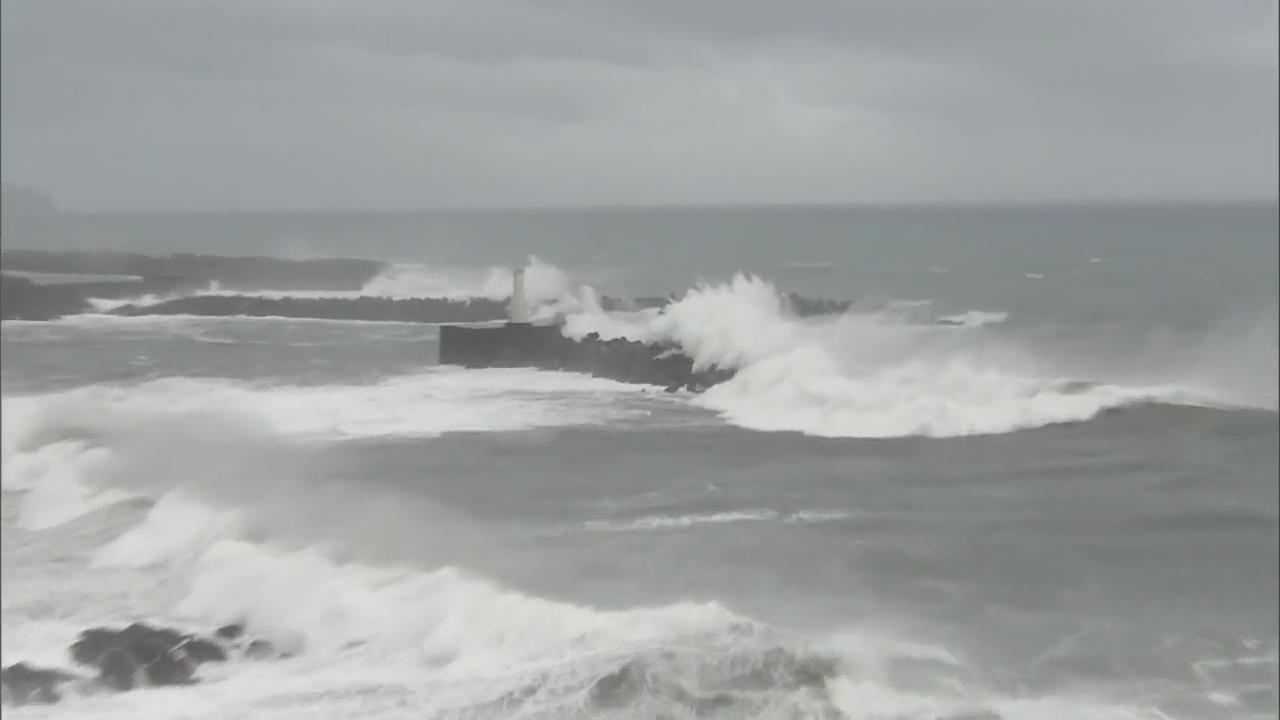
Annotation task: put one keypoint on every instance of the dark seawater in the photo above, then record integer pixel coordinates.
(1061, 505)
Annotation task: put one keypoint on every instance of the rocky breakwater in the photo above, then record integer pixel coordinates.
(378, 309)
(122, 659)
(546, 348)
(22, 298)
(387, 309)
(237, 273)
(39, 285)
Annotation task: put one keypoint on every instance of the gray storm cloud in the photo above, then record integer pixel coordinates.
(178, 105)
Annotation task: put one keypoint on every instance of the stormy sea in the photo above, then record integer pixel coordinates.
(1025, 469)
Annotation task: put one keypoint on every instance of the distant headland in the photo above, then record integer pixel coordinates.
(19, 200)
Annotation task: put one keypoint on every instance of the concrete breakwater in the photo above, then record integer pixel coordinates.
(545, 347)
(41, 285)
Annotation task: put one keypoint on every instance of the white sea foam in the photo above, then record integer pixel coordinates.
(58, 478)
(674, 522)
(176, 528)
(386, 641)
(424, 404)
(975, 318)
(544, 283)
(582, 315)
(871, 374)
(46, 278)
(398, 642)
(106, 305)
(816, 265)
(406, 642)
(301, 599)
(58, 446)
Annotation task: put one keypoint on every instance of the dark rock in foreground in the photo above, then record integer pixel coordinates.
(135, 656)
(160, 656)
(422, 310)
(544, 347)
(26, 685)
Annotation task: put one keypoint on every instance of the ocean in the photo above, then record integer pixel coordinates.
(1059, 502)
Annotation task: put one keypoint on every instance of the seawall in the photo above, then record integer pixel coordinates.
(546, 348)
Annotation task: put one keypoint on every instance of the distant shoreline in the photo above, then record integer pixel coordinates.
(1261, 204)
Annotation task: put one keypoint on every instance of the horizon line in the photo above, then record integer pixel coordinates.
(1079, 204)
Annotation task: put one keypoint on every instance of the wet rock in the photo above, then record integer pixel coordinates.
(261, 650)
(156, 655)
(254, 649)
(159, 656)
(117, 669)
(203, 650)
(134, 656)
(24, 684)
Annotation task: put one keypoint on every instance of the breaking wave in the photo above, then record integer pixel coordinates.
(372, 640)
(544, 283)
(379, 640)
(425, 404)
(675, 522)
(874, 375)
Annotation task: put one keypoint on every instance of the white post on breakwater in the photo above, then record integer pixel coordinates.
(518, 312)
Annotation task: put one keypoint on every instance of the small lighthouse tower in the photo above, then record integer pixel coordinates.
(518, 312)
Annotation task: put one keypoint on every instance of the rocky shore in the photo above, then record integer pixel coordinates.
(122, 659)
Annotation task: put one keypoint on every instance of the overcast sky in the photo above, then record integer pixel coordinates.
(292, 104)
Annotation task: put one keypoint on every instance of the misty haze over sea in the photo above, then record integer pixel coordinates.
(1030, 473)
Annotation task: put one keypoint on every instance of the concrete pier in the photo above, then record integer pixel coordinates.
(546, 348)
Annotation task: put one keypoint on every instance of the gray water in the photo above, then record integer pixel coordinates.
(447, 543)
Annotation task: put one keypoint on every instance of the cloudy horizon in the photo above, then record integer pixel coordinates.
(236, 105)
